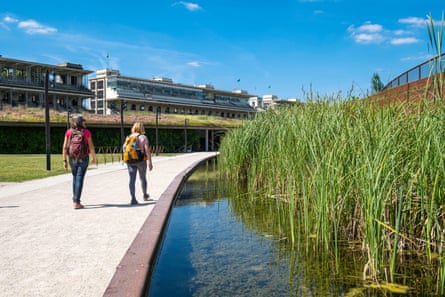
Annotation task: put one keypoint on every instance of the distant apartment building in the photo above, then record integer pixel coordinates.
(110, 90)
(268, 101)
(22, 83)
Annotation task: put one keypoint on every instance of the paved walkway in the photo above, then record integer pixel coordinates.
(49, 249)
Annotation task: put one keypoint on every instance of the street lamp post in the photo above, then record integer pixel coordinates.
(68, 114)
(123, 106)
(186, 121)
(47, 127)
(158, 113)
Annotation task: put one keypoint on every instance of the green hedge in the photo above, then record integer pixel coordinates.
(31, 140)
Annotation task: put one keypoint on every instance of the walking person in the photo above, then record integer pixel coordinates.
(77, 148)
(137, 144)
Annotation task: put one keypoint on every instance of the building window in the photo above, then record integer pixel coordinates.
(62, 79)
(100, 94)
(142, 107)
(93, 85)
(100, 84)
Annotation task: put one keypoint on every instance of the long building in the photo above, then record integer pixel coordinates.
(24, 83)
(111, 90)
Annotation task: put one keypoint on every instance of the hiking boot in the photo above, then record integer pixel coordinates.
(78, 206)
(146, 197)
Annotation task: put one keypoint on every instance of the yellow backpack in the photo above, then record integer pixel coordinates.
(131, 151)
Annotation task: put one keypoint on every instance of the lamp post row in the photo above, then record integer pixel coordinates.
(158, 116)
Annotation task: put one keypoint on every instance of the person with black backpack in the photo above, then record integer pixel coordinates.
(136, 153)
(77, 148)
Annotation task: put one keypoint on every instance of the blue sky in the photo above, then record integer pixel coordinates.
(283, 48)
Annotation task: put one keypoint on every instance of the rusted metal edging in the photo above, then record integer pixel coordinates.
(132, 272)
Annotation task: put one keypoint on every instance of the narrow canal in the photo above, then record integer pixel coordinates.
(216, 246)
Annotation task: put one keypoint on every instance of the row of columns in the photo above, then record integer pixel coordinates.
(64, 103)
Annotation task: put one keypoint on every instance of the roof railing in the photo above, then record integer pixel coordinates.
(418, 72)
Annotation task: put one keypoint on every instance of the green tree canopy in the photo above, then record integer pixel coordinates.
(376, 83)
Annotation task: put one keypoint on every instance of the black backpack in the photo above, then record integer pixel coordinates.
(77, 147)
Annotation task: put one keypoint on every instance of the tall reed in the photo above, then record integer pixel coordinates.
(348, 171)
(351, 171)
(436, 80)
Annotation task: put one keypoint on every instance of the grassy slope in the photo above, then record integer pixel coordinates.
(33, 115)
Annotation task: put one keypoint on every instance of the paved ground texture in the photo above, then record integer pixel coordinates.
(49, 249)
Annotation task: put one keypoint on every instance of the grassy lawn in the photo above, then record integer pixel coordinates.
(18, 168)
(33, 115)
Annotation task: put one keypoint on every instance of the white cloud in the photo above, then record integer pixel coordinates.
(188, 5)
(194, 64)
(370, 33)
(33, 27)
(402, 32)
(367, 33)
(417, 58)
(405, 40)
(370, 28)
(8, 19)
(413, 21)
(368, 38)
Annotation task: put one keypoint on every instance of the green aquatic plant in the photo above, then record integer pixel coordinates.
(348, 171)
(351, 171)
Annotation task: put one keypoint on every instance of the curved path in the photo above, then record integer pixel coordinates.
(49, 249)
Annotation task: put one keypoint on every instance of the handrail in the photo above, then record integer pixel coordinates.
(416, 73)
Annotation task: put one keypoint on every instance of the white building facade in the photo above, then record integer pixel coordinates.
(110, 90)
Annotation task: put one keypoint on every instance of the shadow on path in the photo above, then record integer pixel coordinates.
(126, 205)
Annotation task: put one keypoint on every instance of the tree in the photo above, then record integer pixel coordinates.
(376, 83)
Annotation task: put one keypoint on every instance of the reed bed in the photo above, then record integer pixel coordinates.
(348, 172)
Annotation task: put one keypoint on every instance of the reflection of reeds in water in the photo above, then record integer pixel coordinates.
(348, 170)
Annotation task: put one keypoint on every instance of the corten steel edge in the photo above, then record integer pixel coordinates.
(131, 274)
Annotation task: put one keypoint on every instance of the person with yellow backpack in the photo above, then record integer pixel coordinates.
(136, 153)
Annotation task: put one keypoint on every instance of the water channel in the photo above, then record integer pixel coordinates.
(216, 246)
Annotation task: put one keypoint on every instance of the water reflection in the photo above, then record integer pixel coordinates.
(237, 246)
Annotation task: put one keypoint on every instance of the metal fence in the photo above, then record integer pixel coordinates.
(424, 70)
(109, 154)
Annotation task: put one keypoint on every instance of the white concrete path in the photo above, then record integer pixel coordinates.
(49, 249)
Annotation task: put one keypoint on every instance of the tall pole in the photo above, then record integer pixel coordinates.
(158, 111)
(122, 122)
(68, 113)
(185, 135)
(47, 128)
